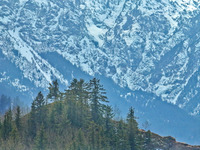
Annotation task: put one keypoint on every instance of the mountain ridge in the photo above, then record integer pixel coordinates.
(151, 47)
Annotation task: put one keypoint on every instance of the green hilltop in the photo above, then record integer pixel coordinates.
(77, 119)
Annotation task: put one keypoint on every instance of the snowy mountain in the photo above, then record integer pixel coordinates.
(147, 51)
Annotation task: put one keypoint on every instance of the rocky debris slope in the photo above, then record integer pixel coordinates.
(166, 143)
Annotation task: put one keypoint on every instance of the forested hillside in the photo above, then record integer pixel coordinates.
(78, 119)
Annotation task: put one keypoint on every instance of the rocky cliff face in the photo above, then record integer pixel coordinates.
(148, 47)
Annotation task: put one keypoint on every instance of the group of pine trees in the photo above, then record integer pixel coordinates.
(77, 119)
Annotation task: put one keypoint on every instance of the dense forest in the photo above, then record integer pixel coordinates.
(77, 119)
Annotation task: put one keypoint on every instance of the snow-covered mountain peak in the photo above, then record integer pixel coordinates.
(150, 49)
(151, 46)
(38, 2)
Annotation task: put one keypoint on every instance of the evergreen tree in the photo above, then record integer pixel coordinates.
(77, 99)
(95, 136)
(54, 93)
(71, 107)
(97, 100)
(40, 109)
(32, 121)
(82, 104)
(80, 140)
(108, 121)
(39, 101)
(122, 142)
(132, 130)
(1, 129)
(57, 115)
(14, 135)
(40, 142)
(18, 118)
(80, 90)
(7, 124)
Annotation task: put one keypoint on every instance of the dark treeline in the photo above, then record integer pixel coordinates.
(78, 119)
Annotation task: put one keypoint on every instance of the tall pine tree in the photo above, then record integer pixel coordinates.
(97, 100)
(7, 124)
(77, 100)
(132, 130)
(32, 121)
(40, 141)
(18, 118)
(40, 109)
(54, 93)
